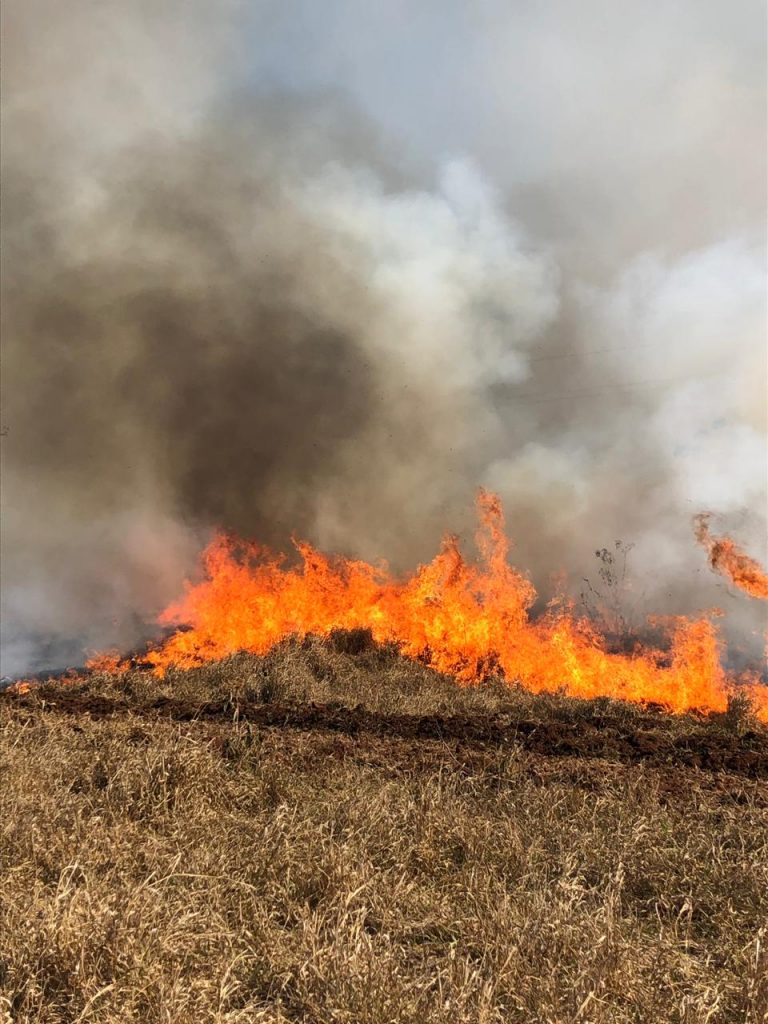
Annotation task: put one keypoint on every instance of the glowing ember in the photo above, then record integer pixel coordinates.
(726, 558)
(468, 620)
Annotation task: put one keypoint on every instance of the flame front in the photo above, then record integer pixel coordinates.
(468, 620)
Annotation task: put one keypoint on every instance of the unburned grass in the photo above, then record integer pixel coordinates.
(220, 871)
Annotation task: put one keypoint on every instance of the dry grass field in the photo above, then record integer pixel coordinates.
(334, 834)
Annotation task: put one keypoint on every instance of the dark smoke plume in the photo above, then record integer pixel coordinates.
(250, 289)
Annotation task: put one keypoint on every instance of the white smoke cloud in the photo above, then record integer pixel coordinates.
(693, 330)
(461, 301)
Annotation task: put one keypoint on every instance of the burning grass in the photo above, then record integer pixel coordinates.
(470, 620)
(208, 866)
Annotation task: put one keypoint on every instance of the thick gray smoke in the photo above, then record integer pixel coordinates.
(325, 269)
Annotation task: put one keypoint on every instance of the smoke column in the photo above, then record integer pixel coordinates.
(325, 269)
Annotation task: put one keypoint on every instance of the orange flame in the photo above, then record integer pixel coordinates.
(468, 620)
(108, 662)
(20, 687)
(727, 559)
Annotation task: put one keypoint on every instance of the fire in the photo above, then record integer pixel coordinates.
(466, 619)
(726, 558)
(20, 687)
(108, 662)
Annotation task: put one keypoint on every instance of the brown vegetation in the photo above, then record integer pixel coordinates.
(334, 834)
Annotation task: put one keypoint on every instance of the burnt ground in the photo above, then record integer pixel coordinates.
(641, 739)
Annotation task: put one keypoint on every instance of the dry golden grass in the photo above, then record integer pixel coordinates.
(156, 871)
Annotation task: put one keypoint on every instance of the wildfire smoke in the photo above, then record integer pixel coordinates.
(283, 289)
